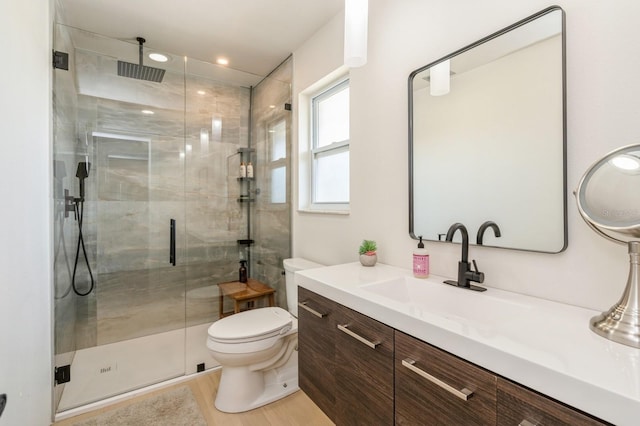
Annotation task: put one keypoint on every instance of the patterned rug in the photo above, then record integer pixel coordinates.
(176, 407)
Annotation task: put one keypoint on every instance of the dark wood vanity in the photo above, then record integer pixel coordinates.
(372, 374)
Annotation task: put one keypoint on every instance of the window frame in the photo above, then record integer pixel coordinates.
(336, 147)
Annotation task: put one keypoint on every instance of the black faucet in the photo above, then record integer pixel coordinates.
(483, 227)
(465, 274)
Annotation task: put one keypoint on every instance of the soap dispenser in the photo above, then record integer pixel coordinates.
(242, 272)
(420, 261)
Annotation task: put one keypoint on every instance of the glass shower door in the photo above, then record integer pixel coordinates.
(129, 330)
(216, 128)
(160, 153)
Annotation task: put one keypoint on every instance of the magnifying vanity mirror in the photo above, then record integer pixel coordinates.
(487, 138)
(608, 201)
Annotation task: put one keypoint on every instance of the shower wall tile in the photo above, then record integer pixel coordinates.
(86, 320)
(209, 227)
(208, 170)
(226, 103)
(128, 118)
(135, 235)
(98, 78)
(139, 303)
(202, 290)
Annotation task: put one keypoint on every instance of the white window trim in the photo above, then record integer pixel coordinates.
(307, 152)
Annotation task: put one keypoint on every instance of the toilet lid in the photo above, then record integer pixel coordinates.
(251, 325)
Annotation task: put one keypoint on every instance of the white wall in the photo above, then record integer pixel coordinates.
(603, 94)
(25, 250)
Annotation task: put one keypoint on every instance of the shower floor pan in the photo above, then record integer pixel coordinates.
(105, 371)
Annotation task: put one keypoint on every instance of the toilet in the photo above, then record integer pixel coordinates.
(258, 350)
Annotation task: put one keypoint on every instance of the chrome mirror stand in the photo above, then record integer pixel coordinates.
(621, 323)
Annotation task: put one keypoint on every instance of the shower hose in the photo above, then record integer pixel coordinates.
(79, 210)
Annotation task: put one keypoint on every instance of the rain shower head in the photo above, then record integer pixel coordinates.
(139, 71)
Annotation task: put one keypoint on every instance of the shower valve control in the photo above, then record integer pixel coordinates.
(69, 204)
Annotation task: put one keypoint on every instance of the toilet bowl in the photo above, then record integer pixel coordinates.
(258, 351)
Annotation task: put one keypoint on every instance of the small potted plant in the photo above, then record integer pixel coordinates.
(368, 256)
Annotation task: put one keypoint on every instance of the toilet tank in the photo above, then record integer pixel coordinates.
(290, 267)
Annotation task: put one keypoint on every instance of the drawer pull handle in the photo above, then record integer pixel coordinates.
(359, 338)
(304, 306)
(526, 422)
(464, 394)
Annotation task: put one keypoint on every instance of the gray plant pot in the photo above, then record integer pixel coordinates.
(368, 260)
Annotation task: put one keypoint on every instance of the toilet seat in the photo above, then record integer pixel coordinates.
(249, 331)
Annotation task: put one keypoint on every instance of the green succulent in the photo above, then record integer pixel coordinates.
(368, 247)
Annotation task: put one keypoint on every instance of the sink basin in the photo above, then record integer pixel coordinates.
(433, 297)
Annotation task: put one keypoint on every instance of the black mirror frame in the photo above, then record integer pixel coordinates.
(564, 119)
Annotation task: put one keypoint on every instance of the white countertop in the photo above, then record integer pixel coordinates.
(544, 345)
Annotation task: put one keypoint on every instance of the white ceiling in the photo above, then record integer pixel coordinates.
(255, 35)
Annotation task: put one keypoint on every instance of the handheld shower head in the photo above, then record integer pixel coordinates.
(82, 173)
(83, 170)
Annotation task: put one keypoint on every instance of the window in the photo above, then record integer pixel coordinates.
(330, 146)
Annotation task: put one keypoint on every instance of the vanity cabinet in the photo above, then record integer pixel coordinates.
(316, 349)
(360, 371)
(364, 370)
(345, 361)
(435, 387)
(520, 406)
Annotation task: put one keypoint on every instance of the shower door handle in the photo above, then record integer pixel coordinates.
(172, 242)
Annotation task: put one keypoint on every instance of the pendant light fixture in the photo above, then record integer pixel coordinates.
(355, 32)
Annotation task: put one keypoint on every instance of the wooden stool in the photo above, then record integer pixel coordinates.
(244, 292)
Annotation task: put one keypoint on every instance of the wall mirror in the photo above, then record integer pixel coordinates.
(487, 138)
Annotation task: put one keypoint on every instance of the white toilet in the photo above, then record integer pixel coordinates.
(258, 350)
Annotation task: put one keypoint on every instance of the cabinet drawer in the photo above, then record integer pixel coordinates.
(520, 406)
(364, 369)
(316, 349)
(436, 388)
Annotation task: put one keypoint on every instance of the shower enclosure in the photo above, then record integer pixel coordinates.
(165, 215)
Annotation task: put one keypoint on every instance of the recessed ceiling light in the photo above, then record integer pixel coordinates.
(272, 106)
(147, 112)
(158, 57)
(201, 92)
(222, 61)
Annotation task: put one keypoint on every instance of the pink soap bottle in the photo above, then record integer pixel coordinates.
(420, 261)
